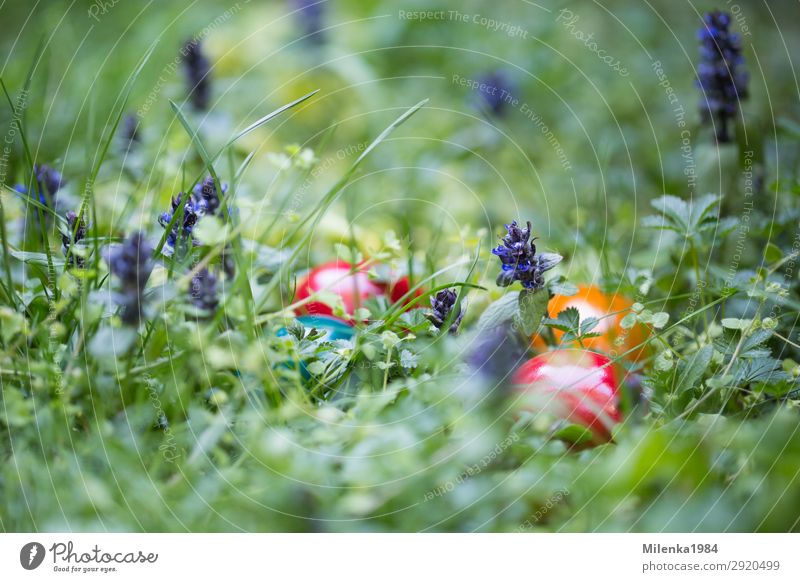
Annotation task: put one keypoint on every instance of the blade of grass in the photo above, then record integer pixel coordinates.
(389, 316)
(241, 280)
(208, 161)
(411, 304)
(456, 310)
(256, 124)
(88, 192)
(243, 167)
(279, 211)
(33, 183)
(328, 199)
(8, 286)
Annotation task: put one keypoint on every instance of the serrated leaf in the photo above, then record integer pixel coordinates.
(767, 370)
(588, 325)
(661, 223)
(296, 329)
(684, 217)
(645, 316)
(675, 211)
(700, 210)
(751, 344)
(750, 348)
(566, 320)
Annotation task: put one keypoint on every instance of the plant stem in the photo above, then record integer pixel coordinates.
(386, 371)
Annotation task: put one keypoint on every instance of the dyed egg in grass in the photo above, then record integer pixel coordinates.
(609, 310)
(352, 286)
(399, 288)
(579, 386)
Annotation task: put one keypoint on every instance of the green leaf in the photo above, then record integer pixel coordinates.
(111, 343)
(773, 253)
(675, 213)
(628, 321)
(33, 258)
(688, 218)
(691, 371)
(561, 286)
(664, 362)
(501, 312)
(575, 434)
(211, 231)
(17, 411)
(588, 325)
(567, 320)
(738, 324)
(316, 368)
(532, 308)
(751, 347)
(700, 210)
(768, 370)
(659, 320)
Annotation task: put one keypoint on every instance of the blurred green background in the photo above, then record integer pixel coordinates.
(455, 165)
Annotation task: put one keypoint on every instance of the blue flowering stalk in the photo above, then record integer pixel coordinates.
(183, 227)
(131, 263)
(206, 198)
(129, 133)
(720, 73)
(228, 263)
(442, 304)
(48, 182)
(68, 243)
(197, 70)
(203, 292)
(519, 259)
(496, 90)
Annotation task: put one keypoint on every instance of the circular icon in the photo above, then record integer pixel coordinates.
(31, 555)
